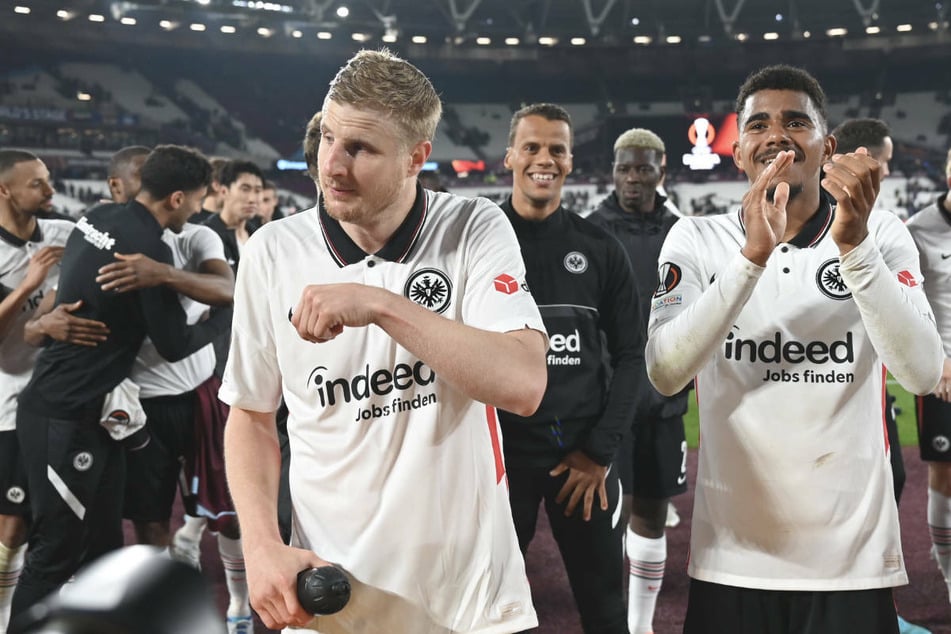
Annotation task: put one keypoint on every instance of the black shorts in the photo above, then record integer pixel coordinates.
(153, 472)
(934, 428)
(717, 609)
(653, 459)
(13, 498)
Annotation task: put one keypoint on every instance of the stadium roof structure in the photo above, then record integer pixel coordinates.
(499, 28)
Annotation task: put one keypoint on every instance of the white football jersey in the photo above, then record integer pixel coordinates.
(931, 230)
(16, 356)
(794, 488)
(395, 475)
(154, 375)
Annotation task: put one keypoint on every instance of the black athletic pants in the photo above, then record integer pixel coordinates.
(591, 551)
(76, 475)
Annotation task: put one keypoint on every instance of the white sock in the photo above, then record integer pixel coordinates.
(647, 558)
(232, 559)
(939, 525)
(193, 528)
(11, 563)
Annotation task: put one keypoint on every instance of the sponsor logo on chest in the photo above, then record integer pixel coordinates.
(783, 352)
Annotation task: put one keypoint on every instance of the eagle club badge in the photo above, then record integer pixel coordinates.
(430, 288)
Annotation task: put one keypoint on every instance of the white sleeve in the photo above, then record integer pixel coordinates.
(252, 377)
(204, 244)
(886, 283)
(496, 296)
(688, 322)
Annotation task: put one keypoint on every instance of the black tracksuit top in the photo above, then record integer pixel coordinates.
(583, 284)
(643, 236)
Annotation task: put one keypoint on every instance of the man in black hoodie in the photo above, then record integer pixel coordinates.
(653, 458)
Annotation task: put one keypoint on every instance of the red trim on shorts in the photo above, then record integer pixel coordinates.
(492, 418)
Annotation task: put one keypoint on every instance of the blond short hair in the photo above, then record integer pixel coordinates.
(385, 83)
(639, 138)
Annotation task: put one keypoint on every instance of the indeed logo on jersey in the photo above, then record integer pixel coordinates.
(566, 344)
(366, 385)
(95, 237)
(777, 350)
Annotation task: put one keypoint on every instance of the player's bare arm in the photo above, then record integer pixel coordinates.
(764, 210)
(853, 180)
(60, 324)
(506, 370)
(586, 479)
(213, 284)
(252, 465)
(36, 273)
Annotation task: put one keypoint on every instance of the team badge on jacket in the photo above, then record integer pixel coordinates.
(576, 262)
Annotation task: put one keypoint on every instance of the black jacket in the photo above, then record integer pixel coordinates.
(582, 282)
(643, 236)
(67, 377)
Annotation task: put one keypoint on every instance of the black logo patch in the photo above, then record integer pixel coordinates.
(670, 276)
(430, 288)
(830, 282)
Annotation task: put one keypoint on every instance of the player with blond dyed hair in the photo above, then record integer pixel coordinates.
(653, 455)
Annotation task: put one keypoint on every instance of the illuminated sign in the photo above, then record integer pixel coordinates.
(701, 135)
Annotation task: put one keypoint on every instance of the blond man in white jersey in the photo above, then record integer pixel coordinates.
(787, 312)
(386, 317)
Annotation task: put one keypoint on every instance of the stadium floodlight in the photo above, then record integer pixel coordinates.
(21, 10)
(197, 27)
(96, 17)
(128, 21)
(343, 11)
(635, 21)
(324, 35)
(903, 28)
(742, 37)
(548, 40)
(807, 34)
(359, 37)
(228, 29)
(83, 96)
(512, 41)
(65, 14)
(419, 39)
(674, 39)
(873, 30)
(389, 38)
(578, 41)
(168, 25)
(643, 39)
(485, 41)
(704, 39)
(263, 31)
(836, 31)
(772, 35)
(297, 34)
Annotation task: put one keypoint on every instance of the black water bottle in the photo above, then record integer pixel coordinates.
(323, 590)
